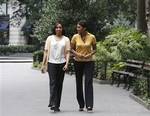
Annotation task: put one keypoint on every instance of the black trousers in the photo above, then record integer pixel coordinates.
(87, 69)
(56, 77)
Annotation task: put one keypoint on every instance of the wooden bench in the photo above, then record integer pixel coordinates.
(130, 72)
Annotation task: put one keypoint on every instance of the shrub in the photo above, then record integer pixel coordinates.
(140, 87)
(38, 56)
(10, 49)
(121, 44)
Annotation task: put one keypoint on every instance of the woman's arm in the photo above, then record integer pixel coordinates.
(44, 62)
(75, 53)
(44, 57)
(67, 54)
(92, 53)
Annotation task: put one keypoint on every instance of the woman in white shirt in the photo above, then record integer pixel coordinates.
(56, 57)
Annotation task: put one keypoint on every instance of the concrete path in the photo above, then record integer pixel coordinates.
(24, 92)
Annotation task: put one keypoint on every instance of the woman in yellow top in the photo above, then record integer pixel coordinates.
(83, 47)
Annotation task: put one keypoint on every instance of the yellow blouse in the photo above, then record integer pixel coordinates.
(83, 46)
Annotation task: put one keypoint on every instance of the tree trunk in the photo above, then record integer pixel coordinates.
(6, 7)
(148, 16)
(141, 16)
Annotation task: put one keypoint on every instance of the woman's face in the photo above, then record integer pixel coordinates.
(58, 29)
(80, 29)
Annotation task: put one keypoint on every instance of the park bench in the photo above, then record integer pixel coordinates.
(131, 70)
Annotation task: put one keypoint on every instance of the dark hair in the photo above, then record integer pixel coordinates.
(83, 23)
(53, 30)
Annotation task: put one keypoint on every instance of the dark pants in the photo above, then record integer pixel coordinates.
(87, 69)
(56, 77)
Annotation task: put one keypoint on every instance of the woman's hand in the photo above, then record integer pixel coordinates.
(65, 67)
(43, 69)
(80, 55)
(88, 56)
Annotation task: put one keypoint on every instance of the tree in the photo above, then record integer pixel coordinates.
(2, 1)
(70, 12)
(141, 16)
(93, 11)
(42, 14)
(125, 7)
(148, 15)
(50, 14)
(96, 12)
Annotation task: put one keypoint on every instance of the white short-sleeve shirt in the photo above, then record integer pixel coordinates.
(57, 49)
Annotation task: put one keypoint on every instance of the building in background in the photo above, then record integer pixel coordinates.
(4, 29)
(10, 34)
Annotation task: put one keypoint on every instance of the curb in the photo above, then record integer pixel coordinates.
(6, 59)
(140, 101)
(16, 61)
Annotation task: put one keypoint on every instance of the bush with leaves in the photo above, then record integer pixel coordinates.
(121, 44)
(37, 58)
(140, 87)
(11, 49)
(127, 43)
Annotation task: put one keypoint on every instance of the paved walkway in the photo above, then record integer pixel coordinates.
(24, 92)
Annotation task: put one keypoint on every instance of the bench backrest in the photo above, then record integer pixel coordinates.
(135, 66)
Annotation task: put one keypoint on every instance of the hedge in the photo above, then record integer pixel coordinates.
(10, 49)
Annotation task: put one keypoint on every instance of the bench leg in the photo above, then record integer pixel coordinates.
(130, 81)
(119, 80)
(125, 81)
(113, 78)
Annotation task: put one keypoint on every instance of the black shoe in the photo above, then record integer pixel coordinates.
(89, 109)
(49, 105)
(81, 109)
(52, 107)
(55, 109)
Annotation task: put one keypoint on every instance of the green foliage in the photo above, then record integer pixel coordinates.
(9, 49)
(118, 66)
(96, 12)
(102, 53)
(70, 12)
(42, 14)
(37, 65)
(126, 7)
(140, 88)
(44, 25)
(92, 11)
(37, 59)
(38, 56)
(123, 42)
(31, 9)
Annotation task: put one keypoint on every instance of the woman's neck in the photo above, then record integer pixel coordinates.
(59, 36)
(83, 34)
